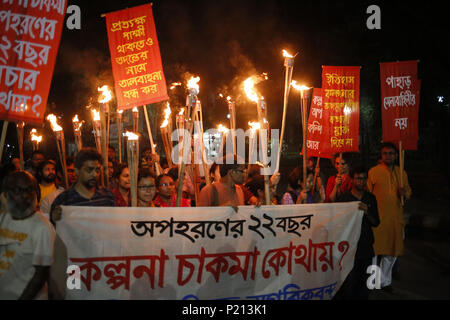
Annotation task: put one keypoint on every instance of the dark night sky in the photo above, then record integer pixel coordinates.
(225, 41)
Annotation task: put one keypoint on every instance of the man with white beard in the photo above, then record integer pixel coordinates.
(26, 241)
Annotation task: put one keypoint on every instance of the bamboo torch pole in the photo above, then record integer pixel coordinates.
(289, 65)
(3, 137)
(20, 125)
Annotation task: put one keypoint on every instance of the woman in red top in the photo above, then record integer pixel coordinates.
(341, 182)
(166, 193)
(121, 192)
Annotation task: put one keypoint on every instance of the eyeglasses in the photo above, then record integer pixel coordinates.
(241, 171)
(146, 187)
(167, 184)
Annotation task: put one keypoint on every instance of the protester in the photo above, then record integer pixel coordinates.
(36, 158)
(355, 285)
(227, 191)
(257, 187)
(121, 192)
(48, 190)
(85, 192)
(46, 176)
(307, 195)
(384, 182)
(71, 174)
(112, 166)
(5, 170)
(26, 241)
(146, 188)
(294, 188)
(167, 196)
(341, 182)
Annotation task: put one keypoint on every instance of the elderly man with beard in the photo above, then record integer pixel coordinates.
(26, 241)
(85, 192)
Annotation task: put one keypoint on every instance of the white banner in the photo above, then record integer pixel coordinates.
(300, 252)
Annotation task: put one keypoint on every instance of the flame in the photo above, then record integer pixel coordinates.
(167, 111)
(249, 88)
(106, 94)
(174, 84)
(96, 115)
(222, 128)
(76, 123)
(299, 87)
(55, 126)
(229, 98)
(181, 112)
(131, 136)
(35, 137)
(220, 95)
(287, 55)
(165, 123)
(135, 109)
(192, 84)
(254, 126)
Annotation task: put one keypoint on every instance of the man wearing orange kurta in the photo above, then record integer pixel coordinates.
(384, 182)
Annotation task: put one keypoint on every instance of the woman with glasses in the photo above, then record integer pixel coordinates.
(167, 196)
(341, 182)
(146, 188)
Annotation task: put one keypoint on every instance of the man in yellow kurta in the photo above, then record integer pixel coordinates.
(384, 182)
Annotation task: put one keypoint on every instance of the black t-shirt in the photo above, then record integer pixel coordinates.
(366, 239)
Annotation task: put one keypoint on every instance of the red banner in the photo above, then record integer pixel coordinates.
(135, 57)
(340, 96)
(30, 34)
(315, 138)
(400, 98)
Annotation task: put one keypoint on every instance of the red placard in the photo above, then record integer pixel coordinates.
(30, 34)
(135, 57)
(340, 96)
(314, 135)
(400, 98)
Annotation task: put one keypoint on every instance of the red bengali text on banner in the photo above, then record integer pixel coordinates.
(30, 34)
(135, 57)
(400, 99)
(340, 96)
(315, 139)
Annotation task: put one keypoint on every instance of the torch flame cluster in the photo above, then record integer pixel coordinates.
(106, 95)
(192, 84)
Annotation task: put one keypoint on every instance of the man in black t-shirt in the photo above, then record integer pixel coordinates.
(355, 286)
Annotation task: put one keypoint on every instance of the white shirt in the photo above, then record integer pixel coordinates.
(23, 244)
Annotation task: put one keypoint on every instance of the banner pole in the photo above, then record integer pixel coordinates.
(401, 156)
(3, 138)
(315, 175)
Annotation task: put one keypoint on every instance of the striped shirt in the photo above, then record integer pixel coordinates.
(101, 198)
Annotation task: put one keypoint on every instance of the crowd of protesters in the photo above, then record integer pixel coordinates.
(31, 203)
